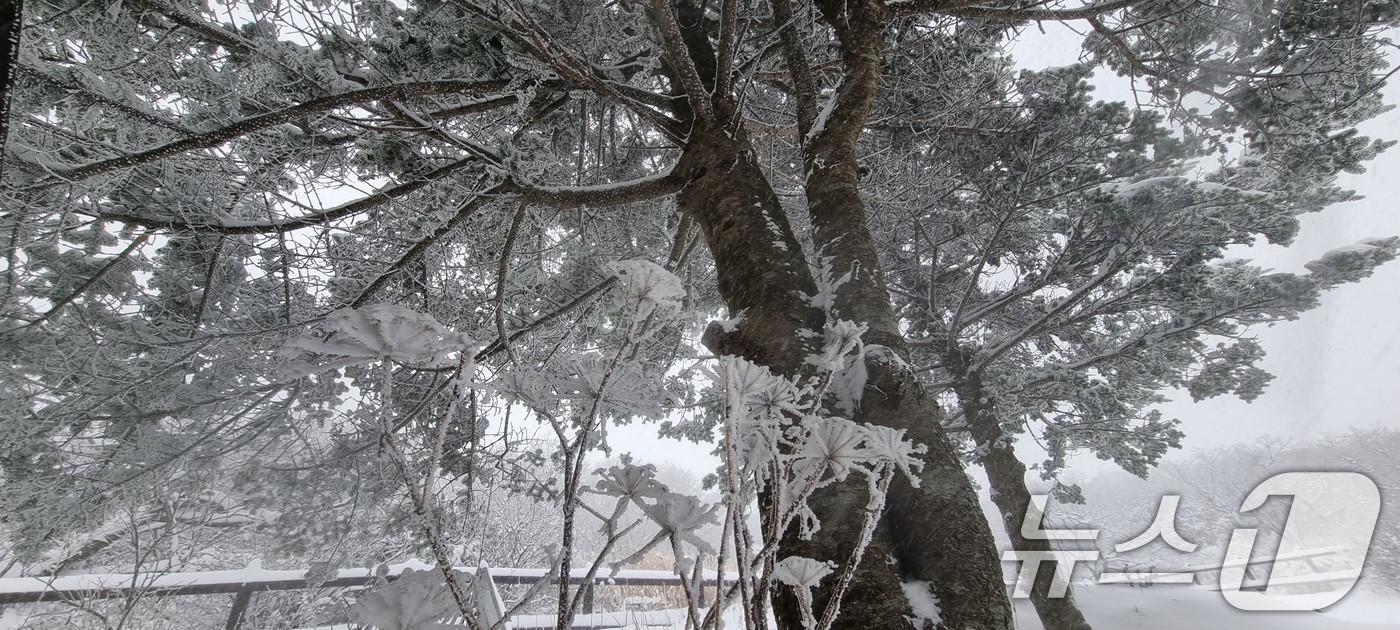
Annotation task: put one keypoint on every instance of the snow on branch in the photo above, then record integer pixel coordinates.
(377, 198)
(1354, 262)
(244, 127)
(1023, 15)
(599, 196)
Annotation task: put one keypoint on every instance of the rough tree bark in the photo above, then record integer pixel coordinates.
(937, 530)
(1007, 476)
(934, 533)
(11, 22)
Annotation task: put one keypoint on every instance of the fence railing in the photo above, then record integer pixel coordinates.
(247, 582)
(1253, 567)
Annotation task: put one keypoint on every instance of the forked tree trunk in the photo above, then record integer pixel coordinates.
(1007, 476)
(935, 533)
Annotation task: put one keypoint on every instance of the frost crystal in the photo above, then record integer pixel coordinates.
(802, 574)
(755, 385)
(890, 446)
(924, 603)
(827, 285)
(681, 515)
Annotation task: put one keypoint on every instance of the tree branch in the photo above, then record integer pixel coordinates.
(675, 50)
(73, 295)
(526, 34)
(75, 88)
(271, 119)
(587, 296)
(503, 275)
(464, 212)
(728, 45)
(799, 66)
(599, 196)
(383, 195)
(1138, 67)
(901, 8)
(209, 32)
(1041, 15)
(1006, 345)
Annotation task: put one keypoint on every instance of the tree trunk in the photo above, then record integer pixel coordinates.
(11, 22)
(1007, 476)
(937, 531)
(934, 533)
(764, 277)
(961, 566)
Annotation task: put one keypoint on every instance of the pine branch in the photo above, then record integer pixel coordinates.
(901, 8)
(463, 212)
(97, 277)
(380, 197)
(247, 126)
(599, 196)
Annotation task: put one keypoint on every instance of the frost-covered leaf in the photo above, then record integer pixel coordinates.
(802, 575)
(649, 286)
(840, 340)
(382, 332)
(682, 515)
(833, 445)
(889, 446)
(800, 572)
(759, 404)
(631, 481)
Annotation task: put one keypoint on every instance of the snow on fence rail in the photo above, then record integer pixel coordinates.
(1252, 567)
(246, 582)
(255, 578)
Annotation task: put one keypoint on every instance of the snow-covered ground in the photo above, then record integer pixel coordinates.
(1151, 608)
(1185, 608)
(1199, 608)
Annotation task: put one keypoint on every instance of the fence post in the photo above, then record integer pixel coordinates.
(588, 607)
(490, 608)
(240, 606)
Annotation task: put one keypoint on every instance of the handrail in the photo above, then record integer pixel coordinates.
(255, 578)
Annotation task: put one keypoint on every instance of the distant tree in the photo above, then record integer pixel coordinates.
(1077, 272)
(1212, 485)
